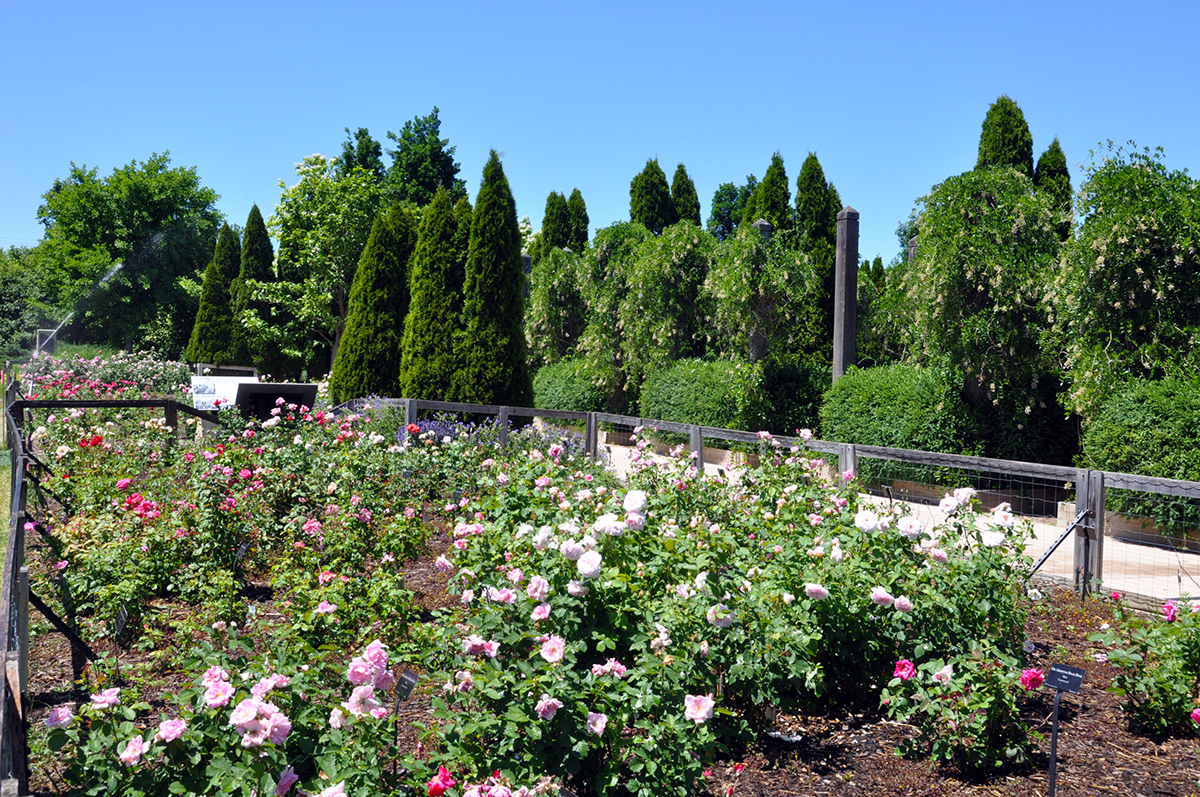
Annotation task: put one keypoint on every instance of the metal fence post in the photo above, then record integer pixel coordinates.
(696, 443)
(504, 427)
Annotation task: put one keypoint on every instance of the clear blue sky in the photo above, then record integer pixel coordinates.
(889, 95)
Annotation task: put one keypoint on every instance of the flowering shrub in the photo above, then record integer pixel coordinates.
(1157, 661)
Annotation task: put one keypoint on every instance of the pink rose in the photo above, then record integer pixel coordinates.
(698, 708)
(325, 607)
(360, 671)
(133, 751)
(590, 564)
(336, 790)
(215, 674)
(170, 730)
(1032, 679)
(540, 612)
(438, 785)
(106, 699)
(944, 675)
(553, 649)
(880, 597)
(538, 588)
(218, 694)
(1196, 715)
(1169, 610)
(516, 576)
(939, 555)
(123, 483)
(443, 564)
(60, 717)
(903, 604)
(816, 592)
(596, 723)
(506, 595)
(904, 670)
(287, 779)
(720, 615)
(548, 706)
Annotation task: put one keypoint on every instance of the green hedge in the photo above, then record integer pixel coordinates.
(897, 406)
(1150, 428)
(566, 386)
(720, 393)
(793, 392)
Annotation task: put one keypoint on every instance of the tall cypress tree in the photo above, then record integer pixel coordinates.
(556, 224)
(463, 213)
(771, 200)
(1053, 179)
(367, 362)
(257, 264)
(650, 202)
(427, 363)
(212, 339)
(1005, 139)
(816, 203)
(684, 197)
(577, 209)
(494, 368)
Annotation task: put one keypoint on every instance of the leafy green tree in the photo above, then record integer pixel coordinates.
(761, 293)
(361, 151)
(650, 202)
(975, 293)
(1054, 179)
(1005, 139)
(422, 162)
(1125, 301)
(212, 338)
(728, 207)
(322, 224)
(684, 196)
(577, 209)
(555, 318)
(25, 304)
(662, 315)
(817, 204)
(436, 274)
(257, 265)
(771, 199)
(605, 281)
(367, 363)
(158, 223)
(494, 368)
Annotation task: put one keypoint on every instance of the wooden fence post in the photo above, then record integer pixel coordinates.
(591, 435)
(696, 443)
(1089, 543)
(847, 458)
(845, 292)
(504, 427)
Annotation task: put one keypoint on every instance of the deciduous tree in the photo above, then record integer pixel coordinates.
(421, 162)
(361, 151)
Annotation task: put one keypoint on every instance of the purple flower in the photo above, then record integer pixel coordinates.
(287, 779)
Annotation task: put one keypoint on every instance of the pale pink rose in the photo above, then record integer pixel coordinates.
(577, 589)
(720, 615)
(278, 728)
(337, 719)
(491, 648)
(964, 495)
(245, 713)
(698, 708)
(596, 723)
(362, 700)
(106, 699)
(218, 694)
(992, 539)
(443, 564)
(170, 730)
(816, 592)
(538, 588)
(336, 790)
(505, 595)
(501, 479)
(540, 612)
(133, 751)
(948, 504)
(360, 671)
(903, 604)
(553, 649)
(572, 549)
(944, 675)
(325, 607)
(1003, 517)
(635, 521)
(473, 645)
(867, 520)
(939, 555)
(60, 717)
(547, 707)
(287, 779)
(880, 597)
(376, 653)
(516, 575)
(590, 565)
(909, 527)
(806, 434)
(610, 525)
(468, 595)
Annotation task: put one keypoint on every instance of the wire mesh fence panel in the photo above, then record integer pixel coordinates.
(1153, 554)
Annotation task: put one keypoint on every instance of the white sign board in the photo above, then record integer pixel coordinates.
(214, 392)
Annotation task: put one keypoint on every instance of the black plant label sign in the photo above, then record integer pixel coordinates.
(1064, 678)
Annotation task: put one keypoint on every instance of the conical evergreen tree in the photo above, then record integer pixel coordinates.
(577, 209)
(212, 339)
(367, 362)
(771, 200)
(650, 199)
(1005, 140)
(427, 362)
(491, 351)
(817, 204)
(684, 197)
(556, 224)
(1053, 179)
(257, 264)
(463, 214)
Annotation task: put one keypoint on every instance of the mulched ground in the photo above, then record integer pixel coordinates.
(832, 755)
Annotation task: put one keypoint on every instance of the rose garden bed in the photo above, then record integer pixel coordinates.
(674, 634)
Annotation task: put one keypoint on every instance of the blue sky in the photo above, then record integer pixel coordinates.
(890, 96)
